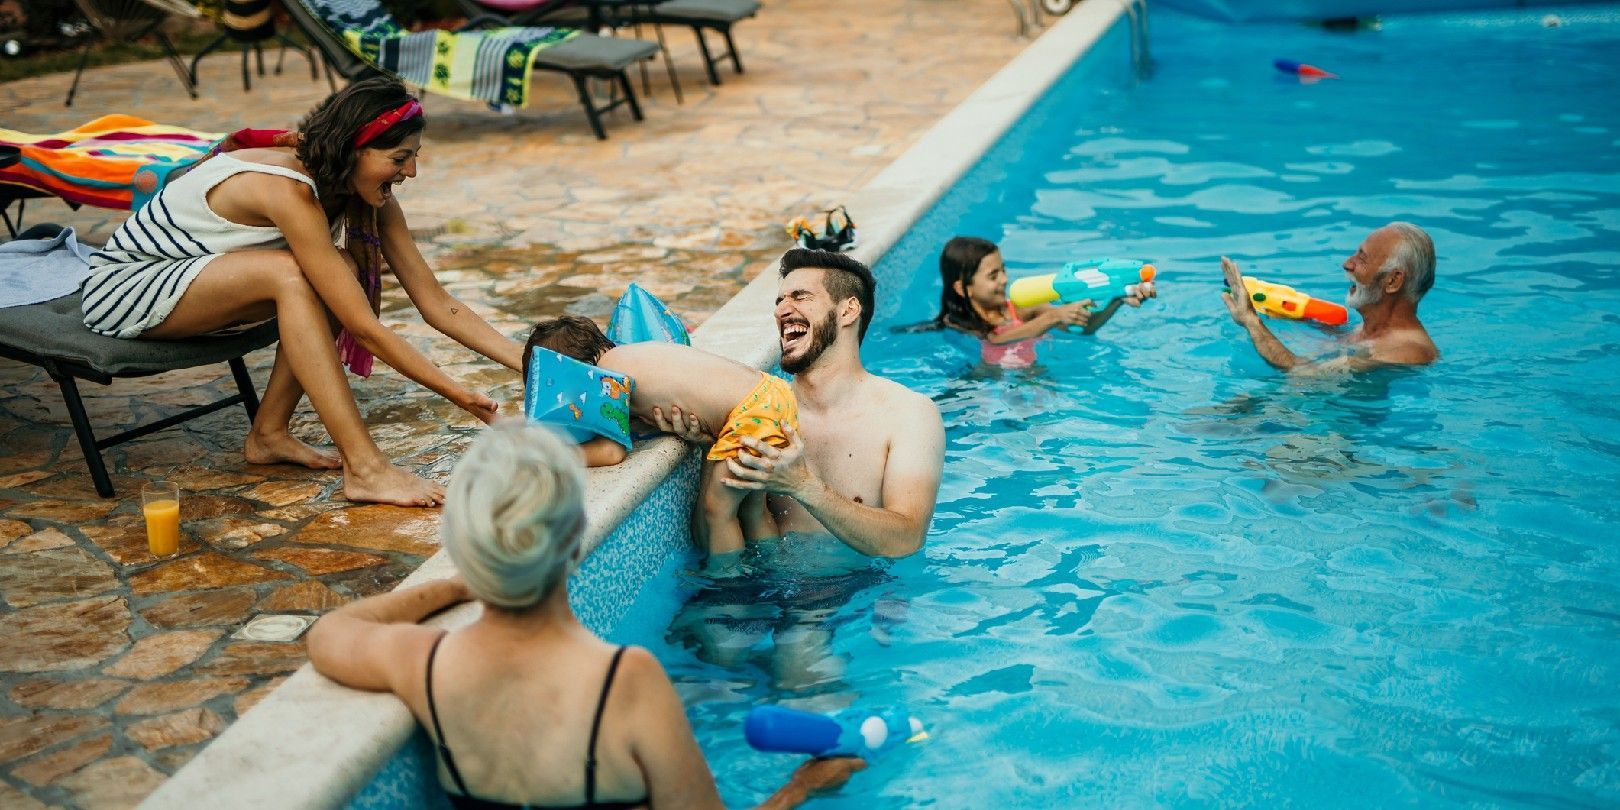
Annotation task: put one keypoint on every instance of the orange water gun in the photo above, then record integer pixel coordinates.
(1281, 301)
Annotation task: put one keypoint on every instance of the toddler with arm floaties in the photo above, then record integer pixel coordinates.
(974, 300)
(743, 401)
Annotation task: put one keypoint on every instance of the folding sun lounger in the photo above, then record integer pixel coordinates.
(114, 162)
(359, 39)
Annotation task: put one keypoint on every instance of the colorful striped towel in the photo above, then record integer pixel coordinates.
(491, 65)
(115, 161)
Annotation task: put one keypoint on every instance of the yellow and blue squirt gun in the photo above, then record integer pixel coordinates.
(1097, 280)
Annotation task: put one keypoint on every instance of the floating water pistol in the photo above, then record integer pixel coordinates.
(850, 733)
(1100, 280)
(1279, 301)
(1302, 70)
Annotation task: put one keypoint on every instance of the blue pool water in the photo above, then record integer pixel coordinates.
(1162, 573)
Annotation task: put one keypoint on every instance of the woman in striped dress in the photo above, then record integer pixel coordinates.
(249, 235)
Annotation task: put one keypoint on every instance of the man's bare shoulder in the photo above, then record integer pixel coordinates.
(1409, 347)
(900, 402)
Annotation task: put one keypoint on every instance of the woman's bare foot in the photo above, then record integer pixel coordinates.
(389, 484)
(283, 448)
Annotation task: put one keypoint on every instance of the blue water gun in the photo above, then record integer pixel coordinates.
(850, 733)
(1100, 280)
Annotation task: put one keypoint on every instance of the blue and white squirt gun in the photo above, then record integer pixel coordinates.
(1099, 280)
(854, 732)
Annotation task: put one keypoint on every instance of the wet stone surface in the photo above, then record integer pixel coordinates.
(117, 667)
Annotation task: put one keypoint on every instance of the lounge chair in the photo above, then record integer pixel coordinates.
(115, 161)
(699, 15)
(52, 335)
(251, 23)
(358, 38)
(129, 20)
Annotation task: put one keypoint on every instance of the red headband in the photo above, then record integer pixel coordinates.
(382, 123)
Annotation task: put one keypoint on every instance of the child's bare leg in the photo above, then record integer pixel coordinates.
(719, 505)
(757, 522)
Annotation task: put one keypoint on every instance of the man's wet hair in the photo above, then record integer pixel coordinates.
(570, 336)
(844, 278)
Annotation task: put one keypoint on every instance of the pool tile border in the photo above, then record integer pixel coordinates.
(314, 744)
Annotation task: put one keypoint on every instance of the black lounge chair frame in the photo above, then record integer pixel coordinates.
(52, 336)
(352, 68)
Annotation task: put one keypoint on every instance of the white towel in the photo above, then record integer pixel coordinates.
(35, 270)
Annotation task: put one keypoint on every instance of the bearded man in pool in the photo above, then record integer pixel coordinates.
(1389, 274)
(857, 480)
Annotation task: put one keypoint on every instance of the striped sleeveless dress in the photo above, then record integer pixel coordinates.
(140, 275)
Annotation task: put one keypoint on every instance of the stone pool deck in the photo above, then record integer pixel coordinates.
(116, 668)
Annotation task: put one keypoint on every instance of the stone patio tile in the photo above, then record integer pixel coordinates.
(113, 784)
(234, 533)
(53, 575)
(47, 768)
(197, 479)
(309, 596)
(256, 658)
(320, 561)
(247, 700)
(162, 654)
(200, 572)
(158, 698)
(58, 637)
(53, 693)
(23, 735)
(59, 511)
(27, 477)
(227, 606)
(283, 493)
(38, 541)
(380, 528)
(180, 728)
(14, 799)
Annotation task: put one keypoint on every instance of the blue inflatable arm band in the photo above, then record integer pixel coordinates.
(577, 398)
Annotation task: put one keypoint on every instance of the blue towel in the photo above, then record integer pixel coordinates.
(35, 270)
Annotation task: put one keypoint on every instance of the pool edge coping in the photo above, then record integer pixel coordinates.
(265, 759)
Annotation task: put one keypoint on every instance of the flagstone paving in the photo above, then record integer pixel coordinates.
(116, 668)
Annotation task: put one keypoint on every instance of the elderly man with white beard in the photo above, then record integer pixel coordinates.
(1389, 274)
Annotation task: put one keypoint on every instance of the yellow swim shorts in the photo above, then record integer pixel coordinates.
(762, 414)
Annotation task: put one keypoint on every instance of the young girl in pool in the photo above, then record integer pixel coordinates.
(974, 301)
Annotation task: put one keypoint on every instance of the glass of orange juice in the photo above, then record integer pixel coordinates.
(160, 503)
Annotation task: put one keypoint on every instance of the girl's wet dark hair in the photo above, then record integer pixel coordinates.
(959, 262)
(326, 147)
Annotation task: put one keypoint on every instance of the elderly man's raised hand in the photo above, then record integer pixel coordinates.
(780, 470)
(1236, 297)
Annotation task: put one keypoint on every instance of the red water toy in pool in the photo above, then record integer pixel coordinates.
(1302, 70)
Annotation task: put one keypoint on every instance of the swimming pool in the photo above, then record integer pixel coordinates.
(1161, 573)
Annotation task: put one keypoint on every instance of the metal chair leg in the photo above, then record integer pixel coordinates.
(87, 437)
(630, 96)
(244, 386)
(590, 105)
(669, 64)
(84, 59)
(736, 59)
(708, 59)
(247, 78)
(175, 61)
(207, 49)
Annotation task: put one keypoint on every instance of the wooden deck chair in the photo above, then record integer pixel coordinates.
(128, 20)
(359, 38)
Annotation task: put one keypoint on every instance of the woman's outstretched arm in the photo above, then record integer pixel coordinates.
(439, 308)
(302, 222)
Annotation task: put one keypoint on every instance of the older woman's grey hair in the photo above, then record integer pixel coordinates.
(514, 514)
